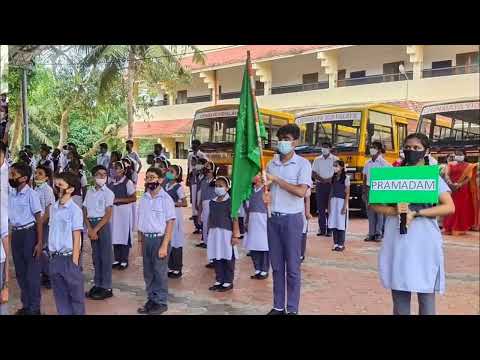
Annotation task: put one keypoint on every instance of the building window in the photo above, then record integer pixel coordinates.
(357, 74)
(165, 99)
(341, 74)
(382, 129)
(180, 150)
(391, 71)
(441, 64)
(182, 97)
(310, 78)
(466, 59)
(259, 88)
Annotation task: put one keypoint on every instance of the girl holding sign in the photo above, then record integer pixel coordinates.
(414, 262)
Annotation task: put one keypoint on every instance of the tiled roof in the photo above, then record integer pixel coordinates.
(257, 52)
(159, 128)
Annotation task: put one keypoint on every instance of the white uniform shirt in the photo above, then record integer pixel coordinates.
(3, 207)
(22, 206)
(324, 167)
(46, 196)
(97, 201)
(64, 220)
(296, 171)
(50, 163)
(103, 159)
(153, 213)
(136, 159)
(199, 155)
(380, 162)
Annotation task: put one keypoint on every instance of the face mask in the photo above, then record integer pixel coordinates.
(220, 191)
(198, 167)
(100, 182)
(14, 183)
(412, 157)
(65, 152)
(169, 176)
(373, 151)
(325, 151)
(40, 182)
(459, 157)
(284, 147)
(153, 185)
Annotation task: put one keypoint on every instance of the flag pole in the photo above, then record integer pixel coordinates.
(257, 126)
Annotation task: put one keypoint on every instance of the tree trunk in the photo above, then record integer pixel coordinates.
(64, 127)
(130, 82)
(16, 138)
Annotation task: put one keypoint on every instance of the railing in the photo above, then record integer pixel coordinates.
(454, 70)
(236, 94)
(197, 99)
(299, 88)
(374, 79)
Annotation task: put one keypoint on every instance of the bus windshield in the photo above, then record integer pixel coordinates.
(343, 134)
(457, 123)
(217, 131)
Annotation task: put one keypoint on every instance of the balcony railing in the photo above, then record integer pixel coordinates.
(236, 94)
(374, 79)
(454, 70)
(197, 99)
(299, 87)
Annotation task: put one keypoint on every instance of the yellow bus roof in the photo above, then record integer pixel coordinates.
(381, 107)
(265, 111)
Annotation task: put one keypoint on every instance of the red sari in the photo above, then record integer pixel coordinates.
(465, 214)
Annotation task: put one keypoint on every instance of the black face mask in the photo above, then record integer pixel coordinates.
(14, 183)
(153, 185)
(412, 157)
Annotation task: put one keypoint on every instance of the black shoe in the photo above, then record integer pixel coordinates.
(190, 218)
(215, 287)
(321, 233)
(33, 312)
(225, 288)
(255, 276)
(262, 277)
(102, 294)
(122, 267)
(292, 313)
(302, 259)
(210, 265)
(340, 248)
(21, 311)
(173, 275)
(196, 232)
(276, 312)
(369, 238)
(92, 292)
(249, 254)
(201, 245)
(116, 265)
(46, 282)
(157, 309)
(145, 308)
(378, 238)
(328, 234)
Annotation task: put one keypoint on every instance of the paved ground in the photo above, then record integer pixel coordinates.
(332, 283)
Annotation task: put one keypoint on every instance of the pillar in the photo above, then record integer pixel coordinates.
(264, 71)
(415, 53)
(210, 78)
(329, 62)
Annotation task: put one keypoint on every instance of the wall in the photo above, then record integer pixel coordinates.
(443, 52)
(289, 71)
(230, 79)
(197, 87)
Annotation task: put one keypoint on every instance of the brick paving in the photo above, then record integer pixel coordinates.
(332, 283)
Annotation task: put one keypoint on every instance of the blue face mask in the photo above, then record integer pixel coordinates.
(284, 147)
(220, 191)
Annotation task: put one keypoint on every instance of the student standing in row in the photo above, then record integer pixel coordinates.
(122, 216)
(103, 158)
(206, 193)
(322, 170)
(64, 243)
(97, 212)
(222, 238)
(338, 207)
(290, 177)
(132, 155)
(192, 183)
(174, 188)
(47, 199)
(156, 220)
(376, 220)
(414, 262)
(256, 239)
(45, 158)
(115, 157)
(25, 215)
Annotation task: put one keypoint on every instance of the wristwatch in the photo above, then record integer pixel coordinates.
(417, 214)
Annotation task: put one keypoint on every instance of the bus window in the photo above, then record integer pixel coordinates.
(402, 133)
(272, 127)
(310, 134)
(224, 130)
(202, 132)
(382, 129)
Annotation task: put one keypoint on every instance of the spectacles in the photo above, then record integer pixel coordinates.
(151, 178)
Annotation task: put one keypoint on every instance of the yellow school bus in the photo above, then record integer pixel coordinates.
(215, 128)
(351, 129)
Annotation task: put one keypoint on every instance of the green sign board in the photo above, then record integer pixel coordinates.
(404, 184)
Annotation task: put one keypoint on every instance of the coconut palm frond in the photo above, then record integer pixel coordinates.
(163, 53)
(39, 134)
(107, 77)
(198, 55)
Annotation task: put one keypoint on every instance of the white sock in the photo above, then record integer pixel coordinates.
(176, 272)
(278, 309)
(123, 264)
(257, 272)
(217, 283)
(226, 284)
(263, 273)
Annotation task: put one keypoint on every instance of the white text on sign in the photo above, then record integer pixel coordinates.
(404, 185)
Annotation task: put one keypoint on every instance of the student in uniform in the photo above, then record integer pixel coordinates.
(375, 220)
(174, 188)
(97, 212)
(103, 158)
(192, 184)
(256, 240)
(56, 161)
(122, 216)
(115, 157)
(222, 239)
(132, 155)
(130, 172)
(64, 242)
(306, 216)
(75, 168)
(207, 193)
(45, 158)
(289, 176)
(156, 220)
(199, 179)
(47, 198)
(414, 262)
(338, 207)
(25, 215)
(4, 239)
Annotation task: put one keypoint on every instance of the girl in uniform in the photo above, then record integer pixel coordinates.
(174, 188)
(414, 262)
(192, 181)
(222, 238)
(338, 205)
(115, 156)
(200, 178)
(207, 193)
(132, 175)
(256, 240)
(122, 216)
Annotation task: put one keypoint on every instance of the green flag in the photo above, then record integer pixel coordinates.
(246, 162)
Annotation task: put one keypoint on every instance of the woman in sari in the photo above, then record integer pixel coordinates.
(461, 177)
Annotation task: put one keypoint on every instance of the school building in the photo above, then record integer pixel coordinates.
(296, 78)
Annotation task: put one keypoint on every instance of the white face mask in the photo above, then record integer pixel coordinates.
(459, 157)
(373, 151)
(198, 167)
(100, 182)
(220, 191)
(325, 151)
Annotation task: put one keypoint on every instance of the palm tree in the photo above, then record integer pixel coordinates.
(139, 59)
